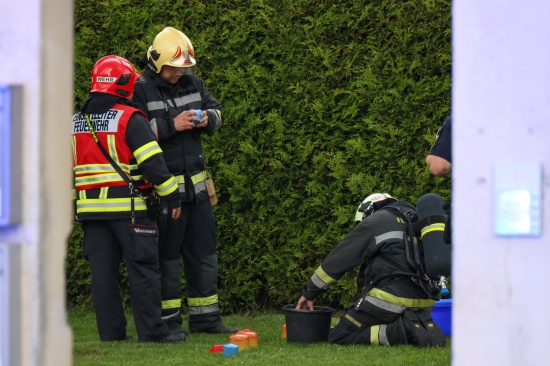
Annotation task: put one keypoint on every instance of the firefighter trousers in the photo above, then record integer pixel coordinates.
(106, 244)
(193, 238)
(376, 326)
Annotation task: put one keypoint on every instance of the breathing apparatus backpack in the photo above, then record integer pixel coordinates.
(430, 229)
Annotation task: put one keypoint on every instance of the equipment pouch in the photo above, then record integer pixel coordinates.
(211, 190)
(145, 243)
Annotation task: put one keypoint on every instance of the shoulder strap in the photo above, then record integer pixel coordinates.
(134, 191)
(106, 154)
(412, 248)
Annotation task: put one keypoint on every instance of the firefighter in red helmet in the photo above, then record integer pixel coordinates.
(117, 165)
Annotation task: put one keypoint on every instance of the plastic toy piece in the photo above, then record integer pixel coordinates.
(216, 348)
(230, 350)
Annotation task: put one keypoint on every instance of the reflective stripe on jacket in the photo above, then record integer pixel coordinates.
(183, 151)
(99, 189)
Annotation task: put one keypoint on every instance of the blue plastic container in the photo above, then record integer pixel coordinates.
(199, 116)
(441, 315)
(230, 350)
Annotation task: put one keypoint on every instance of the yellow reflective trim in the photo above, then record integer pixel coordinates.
(203, 301)
(146, 151)
(103, 192)
(199, 177)
(324, 276)
(138, 177)
(171, 304)
(93, 168)
(97, 179)
(401, 301)
(109, 205)
(433, 227)
(101, 168)
(111, 142)
(168, 187)
(73, 143)
(374, 330)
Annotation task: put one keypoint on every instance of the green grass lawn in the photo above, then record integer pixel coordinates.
(272, 350)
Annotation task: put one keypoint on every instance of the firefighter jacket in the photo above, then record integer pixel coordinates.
(100, 192)
(183, 151)
(377, 245)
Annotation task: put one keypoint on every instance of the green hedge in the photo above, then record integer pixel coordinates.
(325, 102)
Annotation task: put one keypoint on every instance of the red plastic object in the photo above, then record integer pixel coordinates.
(216, 348)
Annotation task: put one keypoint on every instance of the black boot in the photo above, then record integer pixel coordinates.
(174, 338)
(208, 323)
(127, 337)
(395, 332)
(421, 330)
(179, 330)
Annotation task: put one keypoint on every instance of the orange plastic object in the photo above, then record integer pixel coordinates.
(240, 340)
(216, 348)
(252, 337)
(283, 331)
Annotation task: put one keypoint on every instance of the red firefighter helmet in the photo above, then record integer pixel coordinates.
(114, 75)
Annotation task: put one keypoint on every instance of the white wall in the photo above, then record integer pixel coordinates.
(501, 113)
(36, 44)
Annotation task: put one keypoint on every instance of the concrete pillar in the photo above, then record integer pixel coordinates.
(36, 44)
(501, 115)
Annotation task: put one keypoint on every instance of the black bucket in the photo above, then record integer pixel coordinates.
(307, 326)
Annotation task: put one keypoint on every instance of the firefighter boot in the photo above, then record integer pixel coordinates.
(208, 323)
(395, 332)
(421, 330)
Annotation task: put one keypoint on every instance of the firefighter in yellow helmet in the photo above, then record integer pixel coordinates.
(170, 94)
(173, 48)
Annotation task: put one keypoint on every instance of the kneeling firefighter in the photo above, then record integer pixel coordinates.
(396, 304)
